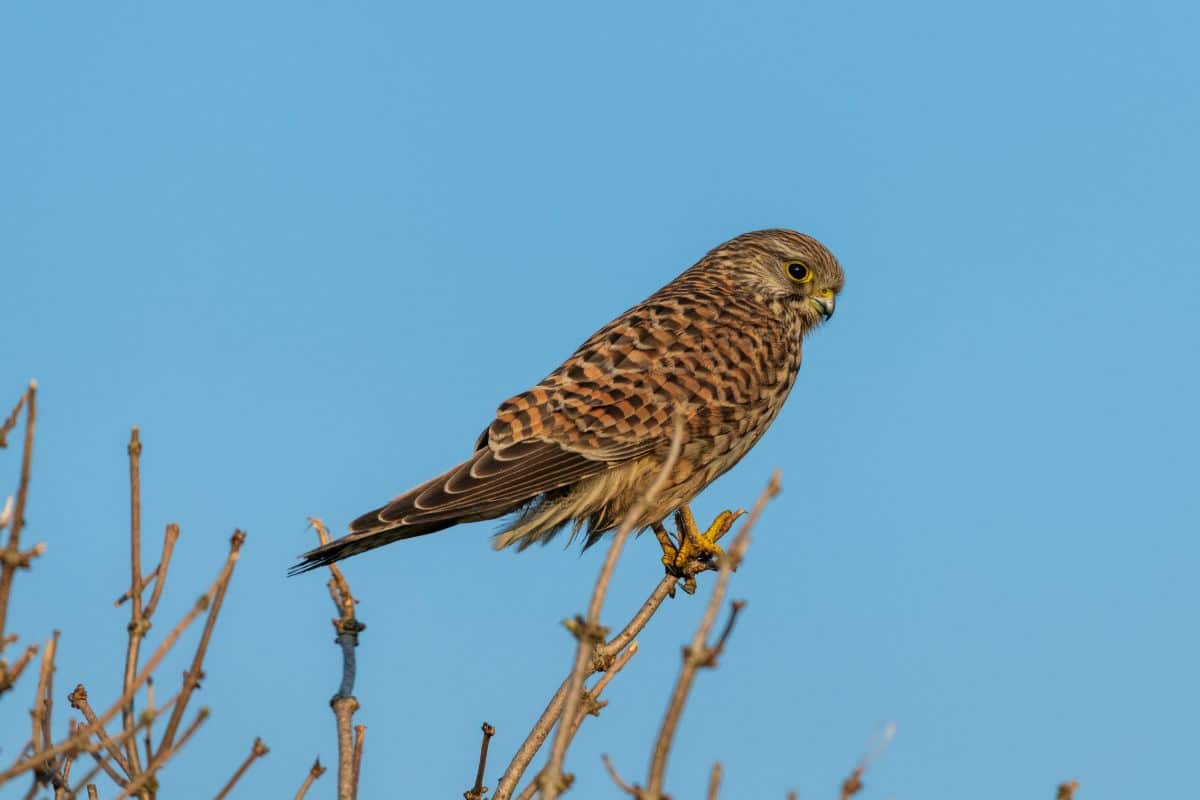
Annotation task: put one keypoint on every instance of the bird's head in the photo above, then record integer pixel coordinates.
(785, 267)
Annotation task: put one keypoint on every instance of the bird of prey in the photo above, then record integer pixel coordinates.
(719, 346)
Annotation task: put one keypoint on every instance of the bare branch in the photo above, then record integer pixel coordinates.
(10, 422)
(714, 781)
(343, 711)
(616, 778)
(162, 755)
(85, 732)
(9, 675)
(84, 744)
(698, 653)
(257, 751)
(661, 592)
(11, 557)
(314, 772)
(191, 678)
(139, 624)
(590, 633)
(160, 572)
(360, 733)
(590, 707)
(604, 655)
(344, 703)
(479, 790)
(43, 704)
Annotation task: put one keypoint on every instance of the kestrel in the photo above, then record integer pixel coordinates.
(719, 345)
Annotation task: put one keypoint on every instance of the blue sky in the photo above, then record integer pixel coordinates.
(309, 247)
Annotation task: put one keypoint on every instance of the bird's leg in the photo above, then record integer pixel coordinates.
(696, 551)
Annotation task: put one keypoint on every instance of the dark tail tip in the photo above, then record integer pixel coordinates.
(319, 557)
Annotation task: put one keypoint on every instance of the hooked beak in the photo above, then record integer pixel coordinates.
(823, 302)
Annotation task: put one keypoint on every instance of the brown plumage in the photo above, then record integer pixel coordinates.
(721, 343)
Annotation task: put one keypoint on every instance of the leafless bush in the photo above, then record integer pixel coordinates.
(121, 747)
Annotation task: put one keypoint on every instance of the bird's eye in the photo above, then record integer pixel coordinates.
(798, 272)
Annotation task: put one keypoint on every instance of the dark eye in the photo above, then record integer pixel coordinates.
(799, 272)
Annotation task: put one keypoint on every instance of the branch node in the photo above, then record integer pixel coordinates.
(138, 627)
(584, 631)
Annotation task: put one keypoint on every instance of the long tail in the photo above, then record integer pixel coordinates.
(490, 484)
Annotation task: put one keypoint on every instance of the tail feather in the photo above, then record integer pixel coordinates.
(490, 484)
(355, 543)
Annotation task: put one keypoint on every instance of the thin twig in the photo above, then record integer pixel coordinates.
(616, 777)
(85, 732)
(162, 755)
(698, 653)
(590, 632)
(661, 592)
(257, 751)
(591, 707)
(60, 792)
(43, 704)
(194, 674)
(139, 624)
(9, 675)
(11, 557)
(79, 701)
(314, 772)
(91, 790)
(875, 748)
(479, 790)
(43, 701)
(148, 738)
(125, 595)
(714, 781)
(545, 723)
(170, 536)
(102, 763)
(18, 515)
(592, 704)
(360, 733)
(10, 421)
(85, 744)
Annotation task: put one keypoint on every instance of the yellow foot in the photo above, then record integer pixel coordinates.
(696, 551)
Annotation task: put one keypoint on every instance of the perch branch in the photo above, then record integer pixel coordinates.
(591, 706)
(344, 704)
(590, 633)
(545, 723)
(698, 653)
